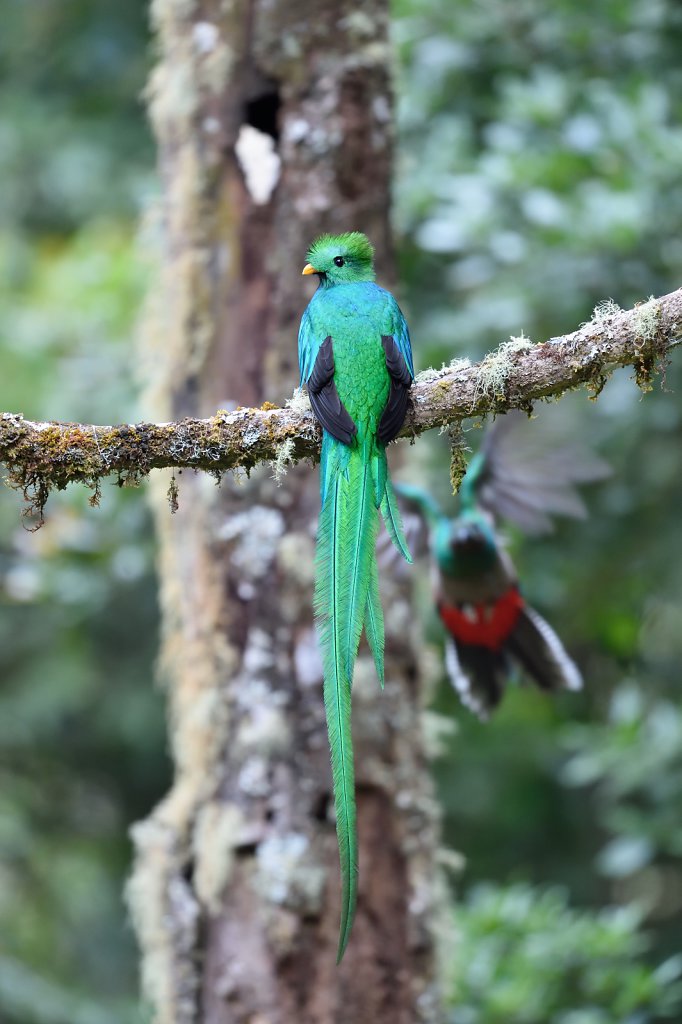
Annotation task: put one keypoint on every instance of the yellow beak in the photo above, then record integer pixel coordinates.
(309, 269)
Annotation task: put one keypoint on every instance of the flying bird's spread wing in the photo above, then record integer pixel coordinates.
(520, 476)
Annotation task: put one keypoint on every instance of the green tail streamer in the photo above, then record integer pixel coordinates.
(346, 599)
(374, 623)
(393, 522)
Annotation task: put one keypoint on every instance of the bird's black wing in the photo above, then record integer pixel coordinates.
(540, 652)
(393, 416)
(324, 398)
(477, 674)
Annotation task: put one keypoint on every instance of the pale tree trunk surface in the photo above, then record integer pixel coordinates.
(235, 892)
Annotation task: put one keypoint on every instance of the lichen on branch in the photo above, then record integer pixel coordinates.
(41, 456)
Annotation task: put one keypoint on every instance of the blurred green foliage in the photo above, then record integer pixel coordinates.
(82, 745)
(538, 173)
(524, 955)
(74, 144)
(632, 761)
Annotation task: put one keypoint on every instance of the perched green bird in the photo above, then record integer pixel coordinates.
(356, 361)
(490, 626)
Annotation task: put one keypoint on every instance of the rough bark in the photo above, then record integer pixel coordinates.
(235, 892)
(515, 375)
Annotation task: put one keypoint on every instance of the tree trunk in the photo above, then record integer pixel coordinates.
(236, 889)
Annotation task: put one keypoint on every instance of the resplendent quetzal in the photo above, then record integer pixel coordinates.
(356, 361)
(489, 625)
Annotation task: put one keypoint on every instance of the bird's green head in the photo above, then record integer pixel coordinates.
(466, 545)
(341, 259)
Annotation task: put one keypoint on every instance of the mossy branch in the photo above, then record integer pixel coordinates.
(40, 456)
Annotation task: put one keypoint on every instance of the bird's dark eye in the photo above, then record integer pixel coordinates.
(339, 261)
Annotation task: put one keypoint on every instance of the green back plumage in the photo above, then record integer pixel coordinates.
(355, 313)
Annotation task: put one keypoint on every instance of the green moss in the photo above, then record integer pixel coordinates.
(496, 367)
(647, 324)
(458, 462)
(173, 495)
(38, 461)
(595, 385)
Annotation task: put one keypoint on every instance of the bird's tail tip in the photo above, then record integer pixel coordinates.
(344, 936)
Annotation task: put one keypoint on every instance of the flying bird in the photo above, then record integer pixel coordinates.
(490, 627)
(356, 361)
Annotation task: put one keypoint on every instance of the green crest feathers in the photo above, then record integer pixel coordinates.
(353, 244)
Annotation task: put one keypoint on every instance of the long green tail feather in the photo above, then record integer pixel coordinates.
(345, 557)
(346, 598)
(374, 622)
(379, 474)
(393, 521)
(360, 520)
(331, 596)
